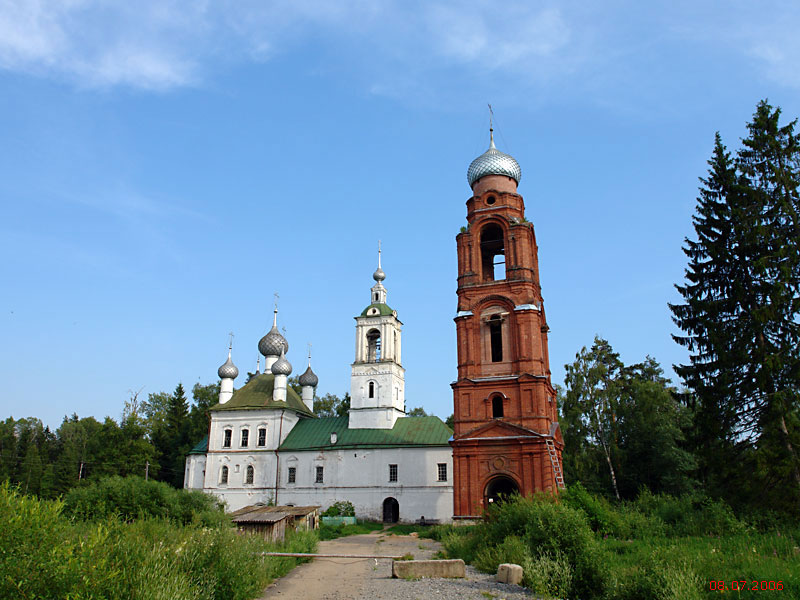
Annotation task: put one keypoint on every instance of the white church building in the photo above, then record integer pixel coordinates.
(265, 444)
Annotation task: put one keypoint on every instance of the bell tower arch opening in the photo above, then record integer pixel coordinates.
(373, 345)
(493, 253)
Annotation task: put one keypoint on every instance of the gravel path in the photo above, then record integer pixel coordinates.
(344, 579)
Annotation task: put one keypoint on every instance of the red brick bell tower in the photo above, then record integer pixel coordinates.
(506, 425)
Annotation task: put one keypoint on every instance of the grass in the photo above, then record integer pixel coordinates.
(658, 547)
(45, 554)
(406, 556)
(408, 528)
(330, 532)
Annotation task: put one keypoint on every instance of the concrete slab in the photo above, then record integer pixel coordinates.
(415, 569)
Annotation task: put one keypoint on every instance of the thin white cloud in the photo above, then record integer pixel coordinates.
(165, 44)
(142, 44)
(398, 45)
(765, 33)
(493, 38)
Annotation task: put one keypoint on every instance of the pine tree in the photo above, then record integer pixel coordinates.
(741, 310)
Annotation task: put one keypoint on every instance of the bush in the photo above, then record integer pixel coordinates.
(340, 508)
(548, 527)
(132, 497)
(511, 550)
(549, 576)
(689, 514)
(460, 542)
(45, 555)
(657, 579)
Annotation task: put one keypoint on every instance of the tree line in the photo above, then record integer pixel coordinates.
(151, 439)
(732, 431)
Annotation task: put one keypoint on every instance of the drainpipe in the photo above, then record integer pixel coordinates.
(278, 459)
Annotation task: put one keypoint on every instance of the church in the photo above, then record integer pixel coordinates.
(266, 445)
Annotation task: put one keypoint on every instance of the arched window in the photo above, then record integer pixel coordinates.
(493, 253)
(373, 345)
(371, 389)
(250, 474)
(496, 337)
(497, 407)
(223, 476)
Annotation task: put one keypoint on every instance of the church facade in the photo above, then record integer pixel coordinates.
(265, 443)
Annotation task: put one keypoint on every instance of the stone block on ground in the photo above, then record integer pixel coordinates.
(415, 569)
(509, 573)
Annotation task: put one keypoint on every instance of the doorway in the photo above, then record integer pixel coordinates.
(391, 510)
(499, 489)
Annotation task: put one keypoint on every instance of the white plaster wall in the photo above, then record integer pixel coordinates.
(194, 474)
(278, 423)
(362, 477)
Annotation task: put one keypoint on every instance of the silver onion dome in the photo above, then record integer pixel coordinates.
(282, 366)
(379, 275)
(493, 162)
(228, 370)
(273, 343)
(308, 378)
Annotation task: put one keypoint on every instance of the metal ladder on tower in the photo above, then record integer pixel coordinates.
(551, 450)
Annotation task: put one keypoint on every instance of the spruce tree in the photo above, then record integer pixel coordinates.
(741, 310)
(709, 317)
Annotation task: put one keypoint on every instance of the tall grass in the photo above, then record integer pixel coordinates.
(659, 547)
(44, 554)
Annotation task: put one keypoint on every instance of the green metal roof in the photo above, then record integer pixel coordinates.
(407, 431)
(257, 394)
(383, 309)
(201, 448)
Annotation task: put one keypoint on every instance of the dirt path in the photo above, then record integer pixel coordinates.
(370, 579)
(343, 578)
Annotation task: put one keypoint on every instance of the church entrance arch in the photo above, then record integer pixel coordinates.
(391, 510)
(499, 489)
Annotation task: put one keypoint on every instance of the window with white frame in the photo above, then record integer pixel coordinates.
(262, 436)
(292, 474)
(249, 475)
(226, 438)
(392, 472)
(441, 469)
(245, 437)
(223, 476)
(319, 475)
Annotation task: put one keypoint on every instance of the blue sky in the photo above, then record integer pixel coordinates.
(167, 166)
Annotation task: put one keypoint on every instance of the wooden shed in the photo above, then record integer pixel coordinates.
(271, 525)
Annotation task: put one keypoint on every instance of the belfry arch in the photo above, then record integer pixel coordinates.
(493, 253)
(373, 345)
